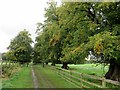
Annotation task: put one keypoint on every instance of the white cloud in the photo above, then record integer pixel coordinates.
(16, 15)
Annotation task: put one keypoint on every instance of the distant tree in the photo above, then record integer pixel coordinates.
(3, 56)
(20, 47)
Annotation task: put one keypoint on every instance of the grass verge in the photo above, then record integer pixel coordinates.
(22, 79)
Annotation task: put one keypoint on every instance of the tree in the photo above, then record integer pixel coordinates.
(112, 47)
(3, 56)
(46, 45)
(41, 47)
(74, 31)
(67, 28)
(20, 47)
(105, 43)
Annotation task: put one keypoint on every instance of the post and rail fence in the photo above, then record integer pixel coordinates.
(84, 80)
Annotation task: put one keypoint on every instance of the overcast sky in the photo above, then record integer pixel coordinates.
(16, 15)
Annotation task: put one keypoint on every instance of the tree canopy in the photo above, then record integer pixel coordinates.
(73, 29)
(20, 48)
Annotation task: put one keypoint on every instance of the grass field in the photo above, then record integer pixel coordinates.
(91, 69)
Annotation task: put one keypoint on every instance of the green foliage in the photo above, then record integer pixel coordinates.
(20, 48)
(47, 45)
(3, 56)
(73, 29)
(106, 44)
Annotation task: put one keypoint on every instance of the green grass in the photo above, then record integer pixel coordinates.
(91, 69)
(47, 78)
(50, 77)
(22, 79)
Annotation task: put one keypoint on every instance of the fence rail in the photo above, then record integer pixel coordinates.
(84, 80)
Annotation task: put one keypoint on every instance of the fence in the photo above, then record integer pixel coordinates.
(85, 81)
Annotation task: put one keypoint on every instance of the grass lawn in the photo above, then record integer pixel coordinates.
(47, 78)
(91, 69)
(22, 79)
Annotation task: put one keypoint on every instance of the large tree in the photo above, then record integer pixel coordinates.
(47, 45)
(20, 47)
(107, 44)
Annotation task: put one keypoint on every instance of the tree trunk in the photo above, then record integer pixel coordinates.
(46, 63)
(113, 72)
(27, 64)
(53, 64)
(43, 64)
(65, 66)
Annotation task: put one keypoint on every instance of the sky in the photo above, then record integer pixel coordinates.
(17, 15)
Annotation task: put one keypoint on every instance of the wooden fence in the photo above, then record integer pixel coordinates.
(85, 81)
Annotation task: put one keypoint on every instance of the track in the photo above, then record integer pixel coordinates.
(35, 81)
(41, 79)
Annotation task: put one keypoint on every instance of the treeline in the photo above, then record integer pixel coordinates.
(71, 30)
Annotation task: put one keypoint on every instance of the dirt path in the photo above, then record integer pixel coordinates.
(43, 80)
(35, 81)
(47, 78)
